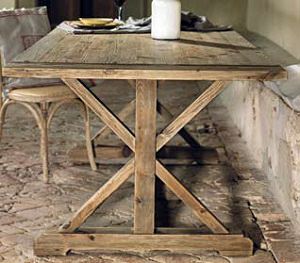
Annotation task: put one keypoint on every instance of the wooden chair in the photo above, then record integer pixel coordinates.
(43, 102)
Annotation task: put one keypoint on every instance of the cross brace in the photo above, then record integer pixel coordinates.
(145, 166)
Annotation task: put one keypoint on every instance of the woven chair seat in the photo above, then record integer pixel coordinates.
(42, 94)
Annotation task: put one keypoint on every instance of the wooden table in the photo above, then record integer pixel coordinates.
(219, 56)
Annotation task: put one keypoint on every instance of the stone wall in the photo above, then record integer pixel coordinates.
(272, 132)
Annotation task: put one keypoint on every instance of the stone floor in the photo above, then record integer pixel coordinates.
(233, 190)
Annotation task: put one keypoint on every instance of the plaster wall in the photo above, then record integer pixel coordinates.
(16, 3)
(229, 12)
(7, 4)
(272, 132)
(26, 3)
(277, 20)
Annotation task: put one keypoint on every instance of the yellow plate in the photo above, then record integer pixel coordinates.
(113, 23)
(95, 21)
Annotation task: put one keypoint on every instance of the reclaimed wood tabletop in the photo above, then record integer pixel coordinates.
(196, 56)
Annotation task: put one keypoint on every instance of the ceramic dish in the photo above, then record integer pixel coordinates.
(95, 21)
(111, 25)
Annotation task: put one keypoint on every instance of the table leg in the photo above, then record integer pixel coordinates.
(144, 236)
(145, 156)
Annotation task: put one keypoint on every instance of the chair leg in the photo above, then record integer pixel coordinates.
(88, 138)
(89, 143)
(40, 114)
(3, 110)
(44, 141)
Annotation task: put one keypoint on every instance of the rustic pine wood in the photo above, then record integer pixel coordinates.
(130, 230)
(189, 199)
(145, 156)
(55, 244)
(196, 56)
(146, 101)
(82, 71)
(1, 86)
(89, 142)
(119, 154)
(102, 111)
(98, 198)
(216, 56)
(104, 154)
(122, 115)
(168, 116)
(44, 139)
(191, 111)
(192, 49)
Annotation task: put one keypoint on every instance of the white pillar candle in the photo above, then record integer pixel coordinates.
(166, 19)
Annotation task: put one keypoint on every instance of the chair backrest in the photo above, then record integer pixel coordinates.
(20, 29)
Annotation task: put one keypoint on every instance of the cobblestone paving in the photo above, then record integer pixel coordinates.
(28, 207)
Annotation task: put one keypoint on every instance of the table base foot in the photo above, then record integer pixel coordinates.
(58, 244)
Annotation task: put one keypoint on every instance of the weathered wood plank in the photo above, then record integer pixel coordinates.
(103, 153)
(145, 156)
(98, 198)
(48, 42)
(189, 113)
(161, 109)
(1, 91)
(193, 48)
(189, 199)
(106, 154)
(102, 112)
(122, 115)
(85, 71)
(168, 116)
(130, 230)
(54, 244)
(196, 56)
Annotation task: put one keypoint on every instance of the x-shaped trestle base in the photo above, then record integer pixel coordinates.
(112, 154)
(145, 144)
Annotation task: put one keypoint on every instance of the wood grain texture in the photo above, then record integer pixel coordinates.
(122, 115)
(88, 139)
(54, 244)
(130, 230)
(189, 113)
(194, 48)
(176, 155)
(190, 200)
(98, 198)
(44, 152)
(1, 87)
(196, 56)
(102, 112)
(168, 116)
(145, 156)
(125, 72)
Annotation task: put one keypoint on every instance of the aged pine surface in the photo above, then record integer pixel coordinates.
(186, 116)
(196, 56)
(145, 156)
(217, 56)
(216, 48)
(53, 244)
